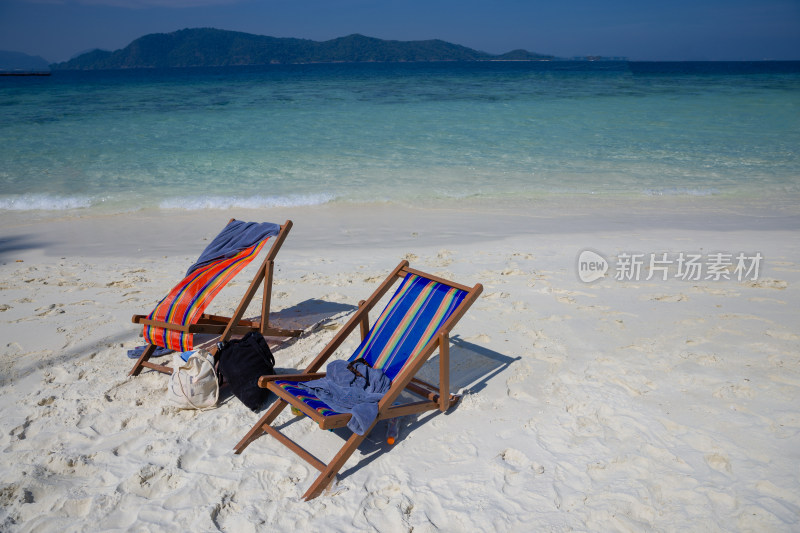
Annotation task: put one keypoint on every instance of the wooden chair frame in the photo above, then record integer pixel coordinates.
(225, 326)
(434, 397)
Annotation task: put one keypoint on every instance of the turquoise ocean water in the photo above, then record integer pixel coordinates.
(410, 134)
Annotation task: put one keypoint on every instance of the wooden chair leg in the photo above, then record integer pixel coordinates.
(256, 431)
(444, 372)
(146, 354)
(334, 466)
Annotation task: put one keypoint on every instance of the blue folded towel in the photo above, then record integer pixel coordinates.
(234, 238)
(346, 392)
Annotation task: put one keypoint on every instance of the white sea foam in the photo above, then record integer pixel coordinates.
(252, 202)
(43, 202)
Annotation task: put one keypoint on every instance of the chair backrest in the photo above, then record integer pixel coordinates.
(414, 315)
(188, 299)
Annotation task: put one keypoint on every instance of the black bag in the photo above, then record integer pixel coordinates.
(242, 362)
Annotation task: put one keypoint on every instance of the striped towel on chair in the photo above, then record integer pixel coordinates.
(188, 299)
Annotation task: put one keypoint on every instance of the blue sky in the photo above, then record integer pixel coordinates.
(638, 29)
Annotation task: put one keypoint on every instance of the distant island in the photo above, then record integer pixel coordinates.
(208, 47)
(19, 64)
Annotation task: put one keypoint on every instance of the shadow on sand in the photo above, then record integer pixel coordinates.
(471, 368)
(309, 315)
(17, 243)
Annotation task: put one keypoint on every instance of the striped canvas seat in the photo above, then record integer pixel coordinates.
(306, 397)
(409, 321)
(187, 301)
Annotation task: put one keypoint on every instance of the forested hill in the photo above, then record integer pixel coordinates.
(217, 48)
(19, 62)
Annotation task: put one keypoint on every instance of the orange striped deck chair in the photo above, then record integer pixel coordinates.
(181, 314)
(416, 321)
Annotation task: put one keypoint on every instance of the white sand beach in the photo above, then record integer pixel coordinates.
(617, 405)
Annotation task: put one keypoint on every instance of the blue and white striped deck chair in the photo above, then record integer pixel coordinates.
(416, 321)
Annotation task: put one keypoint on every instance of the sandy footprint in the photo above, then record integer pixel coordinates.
(759, 299)
(634, 385)
(151, 481)
(667, 298)
(20, 432)
(715, 291)
(472, 401)
(512, 272)
(518, 469)
(443, 258)
(14, 493)
(786, 426)
(523, 255)
(734, 391)
(390, 502)
(516, 384)
(517, 461)
(52, 309)
(768, 283)
(782, 335)
(719, 462)
(495, 295)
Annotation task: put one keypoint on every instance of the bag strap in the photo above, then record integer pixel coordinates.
(263, 347)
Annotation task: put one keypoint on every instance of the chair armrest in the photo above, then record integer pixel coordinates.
(263, 381)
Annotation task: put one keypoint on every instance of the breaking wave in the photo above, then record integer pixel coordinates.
(253, 202)
(43, 202)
